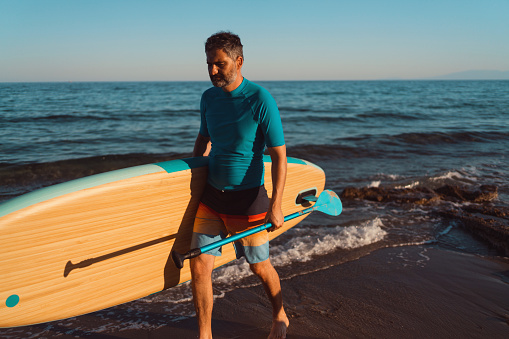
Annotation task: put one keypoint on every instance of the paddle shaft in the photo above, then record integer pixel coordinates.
(252, 231)
(178, 258)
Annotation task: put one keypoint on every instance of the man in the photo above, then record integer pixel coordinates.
(238, 119)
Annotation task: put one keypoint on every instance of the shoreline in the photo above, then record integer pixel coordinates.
(406, 292)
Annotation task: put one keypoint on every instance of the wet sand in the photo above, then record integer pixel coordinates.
(405, 292)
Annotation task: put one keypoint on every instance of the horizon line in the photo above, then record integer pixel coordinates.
(308, 80)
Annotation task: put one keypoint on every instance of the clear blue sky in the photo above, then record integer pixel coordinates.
(127, 40)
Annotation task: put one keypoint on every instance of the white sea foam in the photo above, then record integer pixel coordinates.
(305, 243)
(232, 272)
(444, 232)
(468, 175)
(448, 175)
(378, 178)
(391, 177)
(323, 240)
(375, 183)
(410, 185)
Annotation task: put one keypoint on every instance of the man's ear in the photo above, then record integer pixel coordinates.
(240, 61)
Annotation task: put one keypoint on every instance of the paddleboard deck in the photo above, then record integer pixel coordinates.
(103, 240)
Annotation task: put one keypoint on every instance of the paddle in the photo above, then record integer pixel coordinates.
(328, 202)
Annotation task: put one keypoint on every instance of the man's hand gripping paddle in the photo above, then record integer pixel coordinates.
(328, 202)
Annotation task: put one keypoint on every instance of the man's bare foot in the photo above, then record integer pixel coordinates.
(279, 327)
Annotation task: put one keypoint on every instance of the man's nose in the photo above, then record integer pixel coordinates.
(213, 70)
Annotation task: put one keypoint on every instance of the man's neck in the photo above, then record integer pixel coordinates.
(233, 86)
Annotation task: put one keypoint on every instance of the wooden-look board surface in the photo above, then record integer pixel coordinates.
(99, 241)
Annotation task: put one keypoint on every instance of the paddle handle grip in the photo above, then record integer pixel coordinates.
(178, 258)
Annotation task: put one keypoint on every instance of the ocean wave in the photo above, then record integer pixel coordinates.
(295, 109)
(169, 111)
(390, 115)
(461, 176)
(452, 177)
(309, 242)
(398, 146)
(324, 117)
(61, 118)
(326, 93)
(319, 152)
(426, 142)
(460, 105)
(402, 146)
(437, 138)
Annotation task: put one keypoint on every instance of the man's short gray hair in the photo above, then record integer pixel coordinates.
(228, 42)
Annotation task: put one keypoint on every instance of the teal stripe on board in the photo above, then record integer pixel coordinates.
(183, 164)
(290, 160)
(54, 191)
(296, 161)
(266, 158)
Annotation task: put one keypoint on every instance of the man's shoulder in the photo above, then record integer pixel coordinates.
(212, 91)
(257, 92)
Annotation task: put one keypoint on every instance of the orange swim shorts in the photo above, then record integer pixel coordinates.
(223, 213)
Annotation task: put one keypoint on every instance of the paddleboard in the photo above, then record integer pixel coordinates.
(103, 240)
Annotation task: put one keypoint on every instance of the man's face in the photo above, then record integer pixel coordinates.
(222, 69)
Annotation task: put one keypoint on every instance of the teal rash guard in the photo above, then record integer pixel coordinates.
(240, 124)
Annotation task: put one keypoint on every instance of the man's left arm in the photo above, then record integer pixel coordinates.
(275, 213)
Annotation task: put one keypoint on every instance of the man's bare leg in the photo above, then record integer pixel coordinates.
(201, 272)
(270, 280)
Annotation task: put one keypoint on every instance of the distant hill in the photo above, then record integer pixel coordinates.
(475, 75)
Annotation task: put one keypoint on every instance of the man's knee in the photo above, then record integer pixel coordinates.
(262, 269)
(202, 266)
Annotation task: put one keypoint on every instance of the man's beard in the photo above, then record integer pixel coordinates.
(223, 81)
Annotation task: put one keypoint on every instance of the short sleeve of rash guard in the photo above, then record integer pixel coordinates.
(270, 122)
(203, 125)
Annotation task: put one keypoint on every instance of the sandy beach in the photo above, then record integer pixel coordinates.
(403, 292)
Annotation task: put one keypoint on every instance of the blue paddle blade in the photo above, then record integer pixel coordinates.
(329, 203)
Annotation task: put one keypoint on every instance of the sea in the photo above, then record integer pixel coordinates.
(411, 135)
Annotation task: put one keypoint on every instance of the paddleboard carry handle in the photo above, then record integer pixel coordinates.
(328, 202)
(306, 197)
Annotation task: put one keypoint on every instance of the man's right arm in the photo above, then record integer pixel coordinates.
(202, 146)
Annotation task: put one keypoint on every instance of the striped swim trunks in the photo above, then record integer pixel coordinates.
(223, 213)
